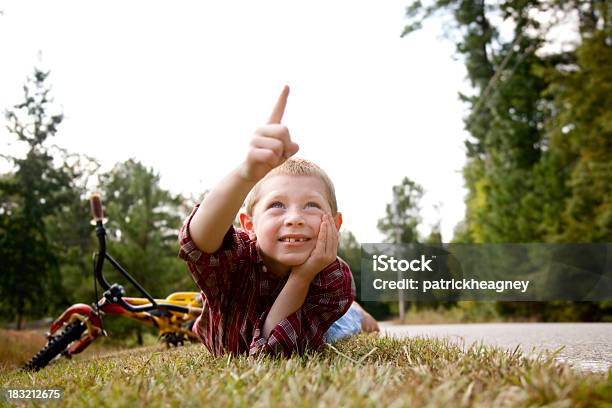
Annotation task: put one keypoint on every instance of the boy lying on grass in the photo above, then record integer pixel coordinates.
(276, 285)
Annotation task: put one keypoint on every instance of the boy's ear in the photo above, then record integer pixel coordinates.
(246, 221)
(338, 220)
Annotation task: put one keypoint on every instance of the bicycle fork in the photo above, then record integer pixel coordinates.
(88, 316)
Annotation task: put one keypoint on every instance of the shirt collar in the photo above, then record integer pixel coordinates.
(255, 253)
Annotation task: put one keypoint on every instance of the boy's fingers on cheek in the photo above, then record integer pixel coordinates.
(334, 234)
(333, 243)
(319, 243)
(330, 235)
(327, 236)
(323, 229)
(333, 238)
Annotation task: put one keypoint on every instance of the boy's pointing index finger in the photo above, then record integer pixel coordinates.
(279, 109)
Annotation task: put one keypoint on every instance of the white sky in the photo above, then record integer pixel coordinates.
(181, 86)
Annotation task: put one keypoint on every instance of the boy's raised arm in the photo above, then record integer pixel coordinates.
(270, 146)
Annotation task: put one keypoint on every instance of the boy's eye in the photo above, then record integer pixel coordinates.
(276, 204)
(313, 204)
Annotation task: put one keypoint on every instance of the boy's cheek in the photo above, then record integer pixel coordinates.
(316, 223)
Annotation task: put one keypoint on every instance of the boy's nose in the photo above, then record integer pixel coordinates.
(294, 218)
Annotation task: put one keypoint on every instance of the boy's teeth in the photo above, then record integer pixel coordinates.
(293, 239)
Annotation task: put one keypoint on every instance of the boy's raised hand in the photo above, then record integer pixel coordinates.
(324, 253)
(271, 144)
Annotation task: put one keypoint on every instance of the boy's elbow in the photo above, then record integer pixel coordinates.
(206, 245)
(201, 237)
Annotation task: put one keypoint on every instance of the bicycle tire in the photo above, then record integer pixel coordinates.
(55, 346)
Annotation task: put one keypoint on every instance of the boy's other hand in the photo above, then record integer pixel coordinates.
(324, 253)
(271, 144)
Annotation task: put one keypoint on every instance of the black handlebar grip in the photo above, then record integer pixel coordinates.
(96, 207)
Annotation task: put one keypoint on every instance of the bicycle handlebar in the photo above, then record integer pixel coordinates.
(95, 203)
(96, 207)
(97, 212)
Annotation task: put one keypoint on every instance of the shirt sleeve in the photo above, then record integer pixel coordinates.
(330, 295)
(214, 273)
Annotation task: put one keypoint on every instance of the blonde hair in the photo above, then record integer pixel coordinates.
(294, 167)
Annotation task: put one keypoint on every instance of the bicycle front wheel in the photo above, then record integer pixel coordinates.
(56, 345)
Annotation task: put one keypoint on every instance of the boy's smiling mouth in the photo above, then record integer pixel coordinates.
(293, 238)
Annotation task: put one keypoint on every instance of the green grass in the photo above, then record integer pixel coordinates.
(362, 371)
(18, 346)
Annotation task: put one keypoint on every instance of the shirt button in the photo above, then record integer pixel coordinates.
(263, 268)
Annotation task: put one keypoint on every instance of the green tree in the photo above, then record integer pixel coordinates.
(73, 235)
(580, 151)
(402, 216)
(538, 165)
(435, 235)
(539, 144)
(29, 198)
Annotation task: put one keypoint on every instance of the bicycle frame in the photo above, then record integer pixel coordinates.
(172, 316)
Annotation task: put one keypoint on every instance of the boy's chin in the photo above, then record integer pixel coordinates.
(293, 259)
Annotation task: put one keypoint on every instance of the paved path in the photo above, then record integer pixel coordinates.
(588, 346)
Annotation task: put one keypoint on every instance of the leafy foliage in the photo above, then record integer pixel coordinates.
(403, 215)
(30, 199)
(539, 152)
(46, 240)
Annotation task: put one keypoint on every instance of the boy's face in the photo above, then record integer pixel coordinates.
(286, 219)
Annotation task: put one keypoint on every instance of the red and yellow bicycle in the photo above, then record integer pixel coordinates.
(80, 324)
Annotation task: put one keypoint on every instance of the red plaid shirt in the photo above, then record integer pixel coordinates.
(238, 293)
